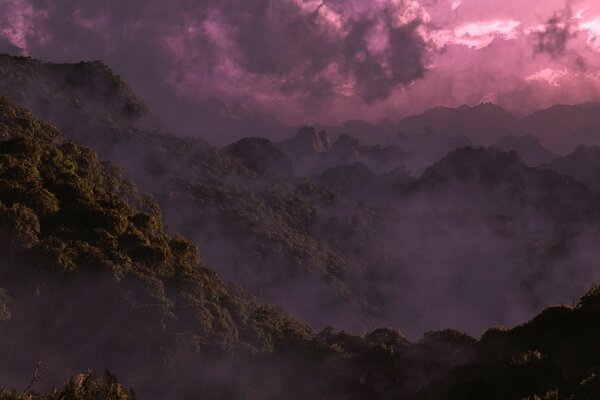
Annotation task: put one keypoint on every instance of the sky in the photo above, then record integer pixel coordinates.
(325, 61)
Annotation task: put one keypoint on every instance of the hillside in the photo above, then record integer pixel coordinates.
(207, 194)
(483, 124)
(88, 259)
(560, 128)
(528, 147)
(583, 164)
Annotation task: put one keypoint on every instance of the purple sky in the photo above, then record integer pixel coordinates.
(326, 61)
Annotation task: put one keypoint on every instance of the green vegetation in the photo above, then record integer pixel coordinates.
(80, 387)
(71, 229)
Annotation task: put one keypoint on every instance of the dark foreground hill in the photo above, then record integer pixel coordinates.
(91, 278)
(254, 227)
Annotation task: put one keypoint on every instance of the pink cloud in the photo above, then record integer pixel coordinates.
(327, 60)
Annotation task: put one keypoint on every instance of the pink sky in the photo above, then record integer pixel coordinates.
(330, 60)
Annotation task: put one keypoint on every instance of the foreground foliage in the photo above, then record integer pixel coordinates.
(80, 387)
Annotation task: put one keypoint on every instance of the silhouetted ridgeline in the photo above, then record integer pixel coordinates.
(92, 279)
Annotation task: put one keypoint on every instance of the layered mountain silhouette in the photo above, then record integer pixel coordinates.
(560, 128)
(528, 147)
(484, 124)
(312, 151)
(583, 164)
(97, 274)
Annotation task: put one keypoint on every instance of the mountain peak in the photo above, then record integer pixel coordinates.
(346, 141)
(261, 155)
(469, 163)
(308, 141)
(529, 147)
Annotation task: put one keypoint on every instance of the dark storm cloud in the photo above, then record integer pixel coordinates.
(378, 76)
(556, 34)
(280, 48)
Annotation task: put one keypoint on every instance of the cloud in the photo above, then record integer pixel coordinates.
(313, 61)
(480, 34)
(592, 28)
(307, 50)
(551, 76)
(553, 38)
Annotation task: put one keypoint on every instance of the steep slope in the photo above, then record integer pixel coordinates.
(528, 147)
(91, 278)
(255, 229)
(482, 239)
(306, 149)
(425, 148)
(356, 181)
(79, 387)
(483, 124)
(551, 357)
(502, 179)
(583, 164)
(347, 150)
(312, 153)
(261, 156)
(562, 128)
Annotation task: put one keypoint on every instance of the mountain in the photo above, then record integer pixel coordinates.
(91, 278)
(261, 155)
(87, 257)
(483, 124)
(528, 147)
(346, 150)
(583, 164)
(312, 152)
(307, 142)
(351, 245)
(550, 357)
(94, 277)
(562, 128)
(425, 148)
(501, 178)
(367, 132)
(258, 230)
(306, 148)
(356, 181)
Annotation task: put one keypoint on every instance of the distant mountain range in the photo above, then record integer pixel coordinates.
(560, 128)
(428, 229)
